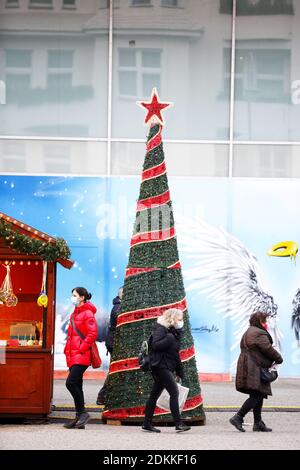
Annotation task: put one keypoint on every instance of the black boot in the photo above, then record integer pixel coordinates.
(149, 427)
(100, 401)
(237, 422)
(182, 427)
(260, 426)
(82, 420)
(71, 424)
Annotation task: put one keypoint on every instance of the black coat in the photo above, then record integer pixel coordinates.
(256, 351)
(109, 342)
(165, 349)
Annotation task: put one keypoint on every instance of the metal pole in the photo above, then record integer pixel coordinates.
(232, 83)
(109, 94)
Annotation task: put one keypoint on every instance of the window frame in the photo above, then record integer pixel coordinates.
(139, 69)
(72, 6)
(13, 4)
(60, 70)
(25, 71)
(133, 4)
(39, 4)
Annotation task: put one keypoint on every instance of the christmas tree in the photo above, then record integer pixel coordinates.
(153, 283)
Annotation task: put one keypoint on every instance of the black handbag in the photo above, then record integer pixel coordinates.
(266, 375)
(144, 355)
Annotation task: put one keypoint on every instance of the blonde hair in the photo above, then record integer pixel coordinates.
(169, 316)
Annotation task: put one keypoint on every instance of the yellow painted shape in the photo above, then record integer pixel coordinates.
(284, 249)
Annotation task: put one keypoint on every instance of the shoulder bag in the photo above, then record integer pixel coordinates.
(95, 357)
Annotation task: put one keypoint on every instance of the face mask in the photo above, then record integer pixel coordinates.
(179, 325)
(75, 300)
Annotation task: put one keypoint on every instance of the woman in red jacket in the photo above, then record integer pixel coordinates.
(78, 351)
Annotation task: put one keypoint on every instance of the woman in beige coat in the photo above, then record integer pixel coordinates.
(256, 352)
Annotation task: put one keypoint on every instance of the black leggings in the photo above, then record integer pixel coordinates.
(74, 384)
(163, 378)
(103, 391)
(255, 402)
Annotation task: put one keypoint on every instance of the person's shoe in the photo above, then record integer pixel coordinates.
(182, 427)
(71, 424)
(82, 420)
(150, 428)
(237, 422)
(260, 426)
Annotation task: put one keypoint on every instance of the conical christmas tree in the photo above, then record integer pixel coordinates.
(153, 283)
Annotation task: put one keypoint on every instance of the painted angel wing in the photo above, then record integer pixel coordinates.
(296, 315)
(228, 273)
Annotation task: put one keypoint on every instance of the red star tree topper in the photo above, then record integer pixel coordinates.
(154, 108)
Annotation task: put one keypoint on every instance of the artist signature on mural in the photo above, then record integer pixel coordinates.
(214, 328)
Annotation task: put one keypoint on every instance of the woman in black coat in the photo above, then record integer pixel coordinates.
(165, 363)
(109, 342)
(256, 352)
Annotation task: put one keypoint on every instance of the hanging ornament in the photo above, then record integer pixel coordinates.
(7, 297)
(42, 300)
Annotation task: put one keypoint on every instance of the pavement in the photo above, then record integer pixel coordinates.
(215, 394)
(281, 412)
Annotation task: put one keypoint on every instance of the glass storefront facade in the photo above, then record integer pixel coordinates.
(71, 72)
(70, 75)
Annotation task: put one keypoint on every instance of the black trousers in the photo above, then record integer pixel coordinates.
(255, 403)
(163, 378)
(74, 384)
(102, 392)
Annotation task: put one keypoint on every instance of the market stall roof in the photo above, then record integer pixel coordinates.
(35, 234)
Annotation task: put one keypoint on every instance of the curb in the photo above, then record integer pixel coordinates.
(208, 408)
(265, 409)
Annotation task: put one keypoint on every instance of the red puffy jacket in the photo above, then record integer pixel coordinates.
(77, 350)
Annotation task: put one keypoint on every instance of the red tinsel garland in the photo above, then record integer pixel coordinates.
(132, 363)
(134, 271)
(124, 365)
(155, 201)
(148, 313)
(154, 172)
(139, 411)
(155, 141)
(150, 237)
(176, 265)
(186, 354)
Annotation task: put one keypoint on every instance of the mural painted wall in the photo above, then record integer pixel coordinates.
(95, 215)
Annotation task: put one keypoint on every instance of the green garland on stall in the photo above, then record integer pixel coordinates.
(30, 246)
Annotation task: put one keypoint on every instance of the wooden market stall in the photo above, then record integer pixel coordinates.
(28, 259)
